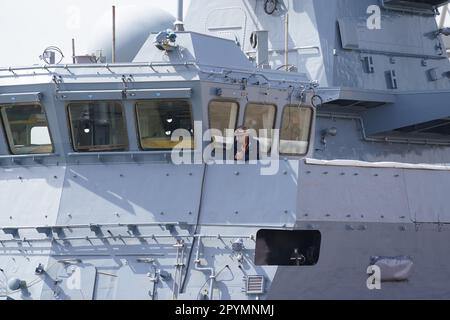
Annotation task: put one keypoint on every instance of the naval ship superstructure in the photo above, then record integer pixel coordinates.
(351, 201)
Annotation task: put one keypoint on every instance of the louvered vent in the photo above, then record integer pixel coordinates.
(254, 285)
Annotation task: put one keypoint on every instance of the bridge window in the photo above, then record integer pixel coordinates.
(295, 131)
(159, 121)
(261, 118)
(27, 130)
(223, 116)
(98, 126)
(287, 248)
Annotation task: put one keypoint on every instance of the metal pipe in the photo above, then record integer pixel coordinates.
(179, 24)
(262, 49)
(212, 272)
(104, 65)
(178, 270)
(73, 51)
(28, 156)
(113, 34)
(129, 153)
(186, 64)
(88, 238)
(115, 238)
(294, 49)
(286, 42)
(147, 224)
(180, 10)
(105, 225)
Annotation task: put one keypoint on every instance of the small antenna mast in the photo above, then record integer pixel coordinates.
(73, 51)
(114, 34)
(286, 42)
(179, 24)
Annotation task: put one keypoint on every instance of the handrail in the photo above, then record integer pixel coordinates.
(98, 66)
(137, 224)
(126, 153)
(124, 237)
(27, 156)
(117, 153)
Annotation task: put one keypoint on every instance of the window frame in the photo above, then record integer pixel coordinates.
(137, 124)
(4, 143)
(71, 132)
(275, 116)
(236, 123)
(7, 129)
(309, 133)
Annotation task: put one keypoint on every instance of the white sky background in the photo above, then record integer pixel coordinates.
(27, 27)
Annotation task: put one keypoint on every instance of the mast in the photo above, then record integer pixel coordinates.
(179, 24)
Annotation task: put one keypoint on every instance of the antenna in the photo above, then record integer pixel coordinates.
(179, 24)
(49, 55)
(73, 51)
(113, 34)
(286, 41)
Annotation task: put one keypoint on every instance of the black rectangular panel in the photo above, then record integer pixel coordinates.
(287, 248)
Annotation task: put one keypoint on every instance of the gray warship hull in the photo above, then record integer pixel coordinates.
(133, 224)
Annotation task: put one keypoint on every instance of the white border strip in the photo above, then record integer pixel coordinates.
(387, 165)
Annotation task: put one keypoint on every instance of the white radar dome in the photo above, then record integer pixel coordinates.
(133, 27)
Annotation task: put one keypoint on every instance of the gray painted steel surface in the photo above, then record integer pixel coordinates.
(133, 225)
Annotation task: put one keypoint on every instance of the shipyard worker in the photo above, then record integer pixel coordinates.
(246, 147)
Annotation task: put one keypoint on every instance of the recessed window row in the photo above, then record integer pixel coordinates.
(100, 126)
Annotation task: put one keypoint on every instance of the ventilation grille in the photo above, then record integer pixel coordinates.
(254, 285)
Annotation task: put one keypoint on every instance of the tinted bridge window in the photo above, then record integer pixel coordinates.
(98, 126)
(27, 130)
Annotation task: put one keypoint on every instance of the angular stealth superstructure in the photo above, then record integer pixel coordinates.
(98, 201)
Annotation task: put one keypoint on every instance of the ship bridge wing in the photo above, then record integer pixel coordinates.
(415, 6)
(431, 2)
